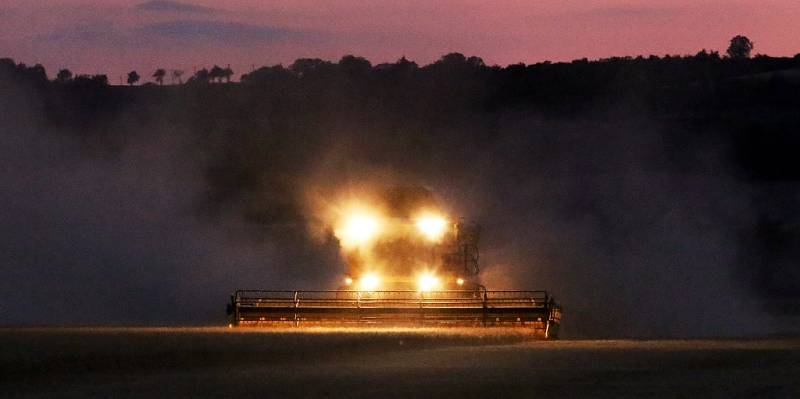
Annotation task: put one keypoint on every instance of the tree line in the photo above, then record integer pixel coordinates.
(740, 48)
(215, 74)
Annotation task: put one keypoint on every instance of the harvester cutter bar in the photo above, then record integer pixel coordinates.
(533, 309)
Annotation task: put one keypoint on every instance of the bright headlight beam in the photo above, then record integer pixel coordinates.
(432, 227)
(358, 230)
(427, 282)
(369, 282)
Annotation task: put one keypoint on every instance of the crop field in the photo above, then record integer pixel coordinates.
(222, 362)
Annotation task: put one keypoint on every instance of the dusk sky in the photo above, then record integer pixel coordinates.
(116, 36)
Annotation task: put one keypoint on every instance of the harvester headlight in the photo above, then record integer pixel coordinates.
(348, 281)
(460, 281)
(432, 227)
(358, 230)
(369, 282)
(427, 282)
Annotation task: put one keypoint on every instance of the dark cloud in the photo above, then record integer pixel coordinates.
(82, 33)
(173, 6)
(170, 34)
(229, 32)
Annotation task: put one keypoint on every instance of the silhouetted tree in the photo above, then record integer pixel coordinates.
(215, 73)
(201, 76)
(452, 59)
(100, 79)
(227, 73)
(353, 65)
(159, 74)
(90, 80)
(273, 75)
(399, 71)
(706, 55)
(35, 73)
(740, 47)
(458, 60)
(405, 64)
(177, 75)
(64, 76)
(133, 77)
(476, 62)
(7, 64)
(308, 66)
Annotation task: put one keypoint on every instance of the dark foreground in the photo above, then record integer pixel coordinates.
(219, 362)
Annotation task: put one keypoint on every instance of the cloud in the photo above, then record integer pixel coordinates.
(173, 6)
(92, 32)
(170, 34)
(229, 32)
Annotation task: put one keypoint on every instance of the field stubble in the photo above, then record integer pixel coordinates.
(221, 362)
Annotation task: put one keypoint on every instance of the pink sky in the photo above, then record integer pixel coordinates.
(116, 36)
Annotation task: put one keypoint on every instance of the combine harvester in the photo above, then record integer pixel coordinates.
(408, 266)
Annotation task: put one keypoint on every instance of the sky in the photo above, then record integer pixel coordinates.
(116, 36)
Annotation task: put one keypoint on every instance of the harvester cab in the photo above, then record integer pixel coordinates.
(408, 264)
(407, 243)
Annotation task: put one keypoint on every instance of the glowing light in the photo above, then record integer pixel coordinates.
(358, 230)
(427, 282)
(348, 281)
(432, 227)
(460, 281)
(369, 282)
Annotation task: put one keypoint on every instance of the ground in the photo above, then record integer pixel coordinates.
(222, 362)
